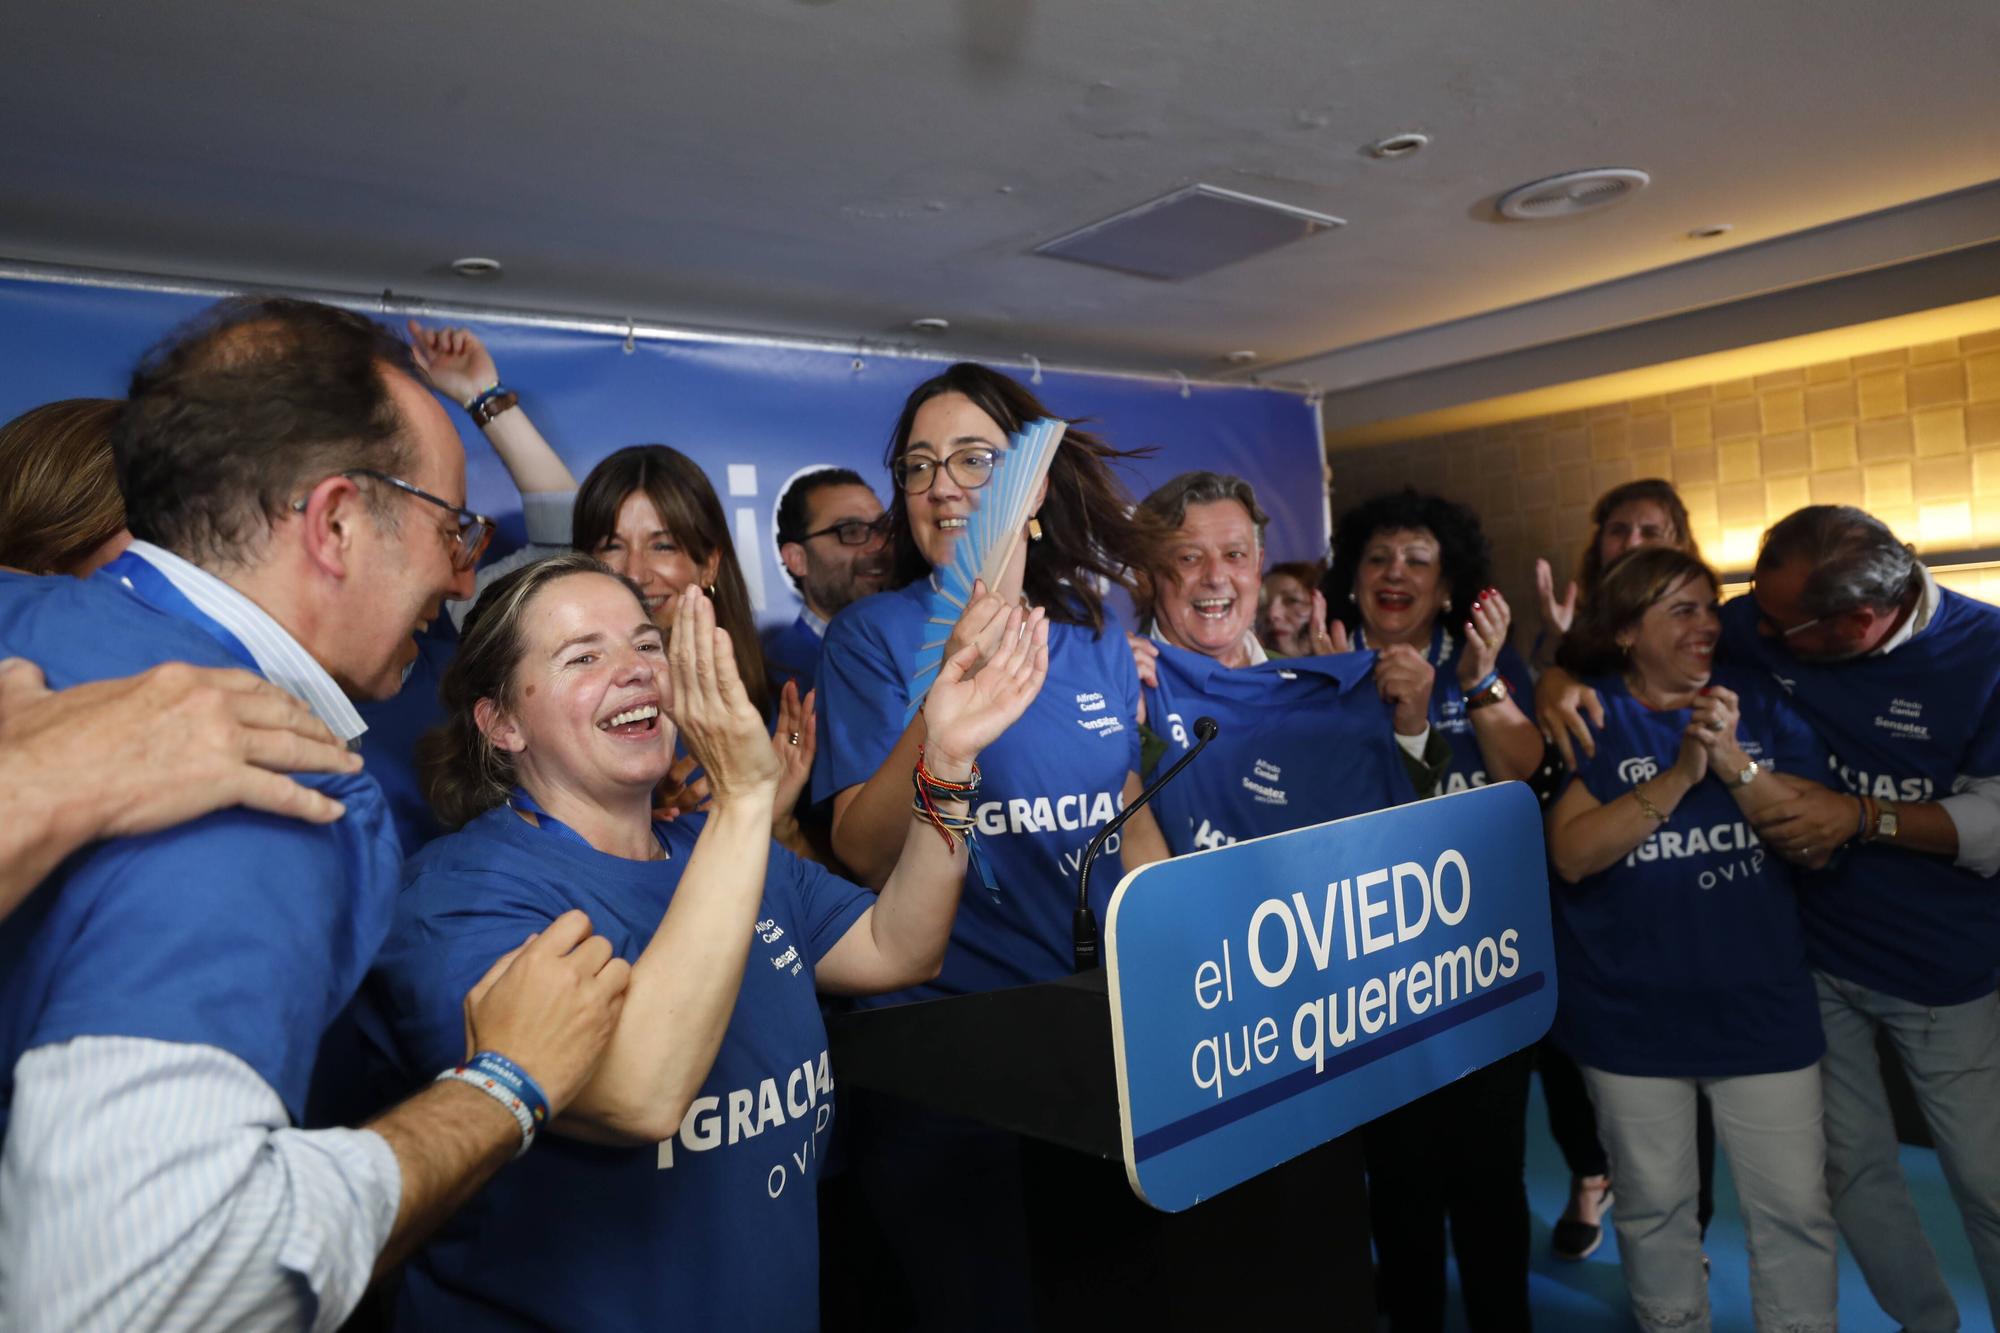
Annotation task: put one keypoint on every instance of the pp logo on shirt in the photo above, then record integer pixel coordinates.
(1637, 769)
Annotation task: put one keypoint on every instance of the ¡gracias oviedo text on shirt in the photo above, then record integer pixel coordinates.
(1350, 919)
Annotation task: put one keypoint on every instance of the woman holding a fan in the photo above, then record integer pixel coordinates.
(1046, 786)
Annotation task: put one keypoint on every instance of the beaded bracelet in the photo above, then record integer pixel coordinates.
(499, 1093)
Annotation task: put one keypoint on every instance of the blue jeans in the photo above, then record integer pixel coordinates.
(1952, 1055)
(1769, 1125)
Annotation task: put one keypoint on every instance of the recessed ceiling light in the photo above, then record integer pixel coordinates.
(1572, 192)
(1241, 358)
(475, 267)
(1397, 145)
(1712, 231)
(930, 324)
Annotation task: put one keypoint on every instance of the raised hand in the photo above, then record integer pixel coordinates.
(1485, 635)
(1323, 637)
(708, 704)
(1557, 616)
(979, 625)
(457, 362)
(793, 742)
(550, 1006)
(964, 713)
(1403, 677)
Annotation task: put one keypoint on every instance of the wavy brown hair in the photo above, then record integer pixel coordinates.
(1629, 584)
(1090, 529)
(688, 505)
(59, 496)
(463, 773)
(1590, 568)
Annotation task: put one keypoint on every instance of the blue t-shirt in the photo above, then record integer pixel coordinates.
(242, 931)
(791, 652)
(394, 726)
(1299, 741)
(1911, 725)
(1048, 784)
(1685, 957)
(715, 1227)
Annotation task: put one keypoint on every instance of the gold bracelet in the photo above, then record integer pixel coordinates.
(1650, 810)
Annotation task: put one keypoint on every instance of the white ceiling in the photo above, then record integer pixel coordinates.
(837, 168)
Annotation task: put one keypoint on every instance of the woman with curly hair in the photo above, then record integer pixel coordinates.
(1411, 579)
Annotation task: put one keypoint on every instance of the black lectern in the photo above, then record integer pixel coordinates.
(1286, 1249)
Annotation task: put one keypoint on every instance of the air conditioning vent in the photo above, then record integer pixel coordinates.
(1572, 192)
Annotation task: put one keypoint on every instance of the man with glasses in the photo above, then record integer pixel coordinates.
(831, 540)
(1902, 680)
(296, 498)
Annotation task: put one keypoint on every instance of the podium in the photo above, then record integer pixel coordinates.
(1288, 1248)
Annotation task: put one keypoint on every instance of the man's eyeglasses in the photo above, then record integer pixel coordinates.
(850, 531)
(473, 532)
(970, 468)
(1772, 630)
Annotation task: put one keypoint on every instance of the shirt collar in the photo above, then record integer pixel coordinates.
(1920, 617)
(278, 655)
(1250, 645)
(812, 621)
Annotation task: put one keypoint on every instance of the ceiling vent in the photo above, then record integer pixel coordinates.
(1189, 232)
(1572, 192)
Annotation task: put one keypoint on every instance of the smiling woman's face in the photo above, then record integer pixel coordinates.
(943, 427)
(1400, 588)
(641, 548)
(588, 700)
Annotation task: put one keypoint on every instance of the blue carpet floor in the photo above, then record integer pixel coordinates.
(1590, 1296)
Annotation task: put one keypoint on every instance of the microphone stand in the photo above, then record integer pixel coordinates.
(1083, 926)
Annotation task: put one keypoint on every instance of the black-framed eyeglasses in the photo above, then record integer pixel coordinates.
(850, 531)
(474, 530)
(970, 468)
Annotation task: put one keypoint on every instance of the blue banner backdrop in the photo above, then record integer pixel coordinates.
(1272, 994)
(752, 415)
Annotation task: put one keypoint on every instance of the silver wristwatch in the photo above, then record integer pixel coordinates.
(1886, 822)
(1746, 777)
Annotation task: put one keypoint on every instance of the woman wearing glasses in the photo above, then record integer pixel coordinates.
(1047, 785)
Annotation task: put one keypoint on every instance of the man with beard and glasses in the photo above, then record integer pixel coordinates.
(831, 541)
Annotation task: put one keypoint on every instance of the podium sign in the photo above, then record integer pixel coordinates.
(1269, 995)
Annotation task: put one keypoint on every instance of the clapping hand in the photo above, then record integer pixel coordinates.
(709, 706)
(1485, 635)
(1557, 616)
(793, 741)
(1322, 637)
(965, 713)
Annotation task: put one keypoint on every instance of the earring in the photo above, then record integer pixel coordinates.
(1447, 606)
(1034, 528)
(1350, 595)
(709, 588)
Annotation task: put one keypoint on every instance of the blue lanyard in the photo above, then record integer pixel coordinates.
(520, 800)
(156, 590)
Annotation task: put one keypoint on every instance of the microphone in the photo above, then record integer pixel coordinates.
(1083, 926)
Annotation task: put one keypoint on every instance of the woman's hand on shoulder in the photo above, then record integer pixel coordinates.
(1567, 709)
(964, 713)
(709, 706)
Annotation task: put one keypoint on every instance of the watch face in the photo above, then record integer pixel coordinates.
(1885, 825)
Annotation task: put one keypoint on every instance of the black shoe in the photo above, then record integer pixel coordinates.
(1576, 1240)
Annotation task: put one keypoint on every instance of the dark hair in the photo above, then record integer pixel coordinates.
(792, 505)
(1629, 584)
(688, 505)
(1662, 493)
(464, 774)
(1090, 531)
(1855, 559)
(1465, 557)
(795, 503)
(1168, 506)
(251, 402)
(59, 496)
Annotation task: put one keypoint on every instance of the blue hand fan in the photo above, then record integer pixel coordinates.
(987, 544)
